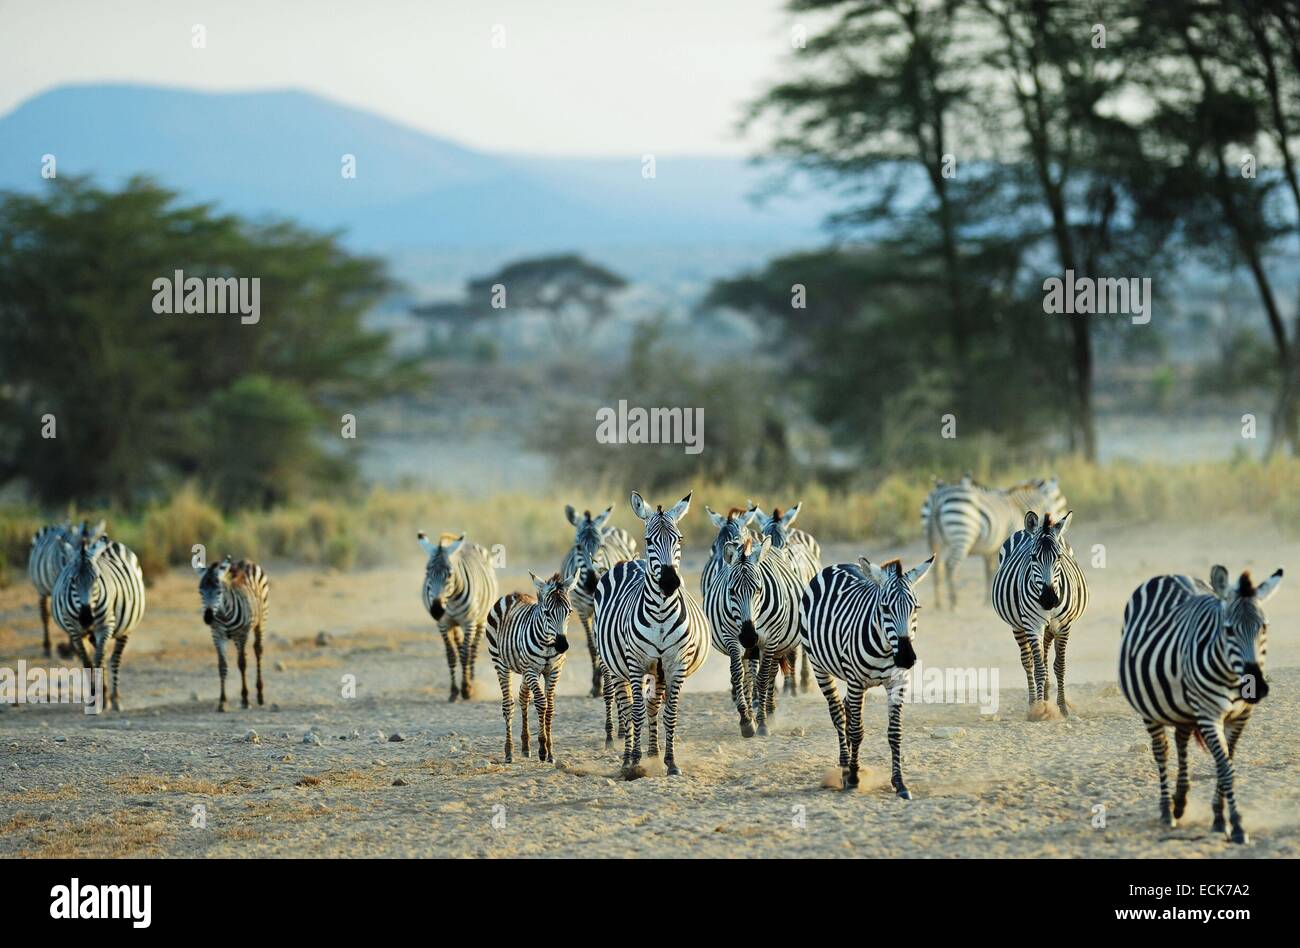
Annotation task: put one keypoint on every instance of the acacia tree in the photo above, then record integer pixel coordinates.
(575, 294)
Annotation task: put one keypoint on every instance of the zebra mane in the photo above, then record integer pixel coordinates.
(1245, 586)
(735, 512)
(897, 565)
(776, 513)
(444, 537)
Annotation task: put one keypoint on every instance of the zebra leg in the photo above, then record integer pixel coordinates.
(257, 652)
(1062, 639)
(539, 703)
(1027, 663)
(468, 652)
(552, 682)
(939, 573)
(805, 672)
(766, 686)
(853, 708)
(449, 640)
(242, 645)
(1182, 734)
(950, 569)
(1160, 750)
(116, 664)
(1048, 638)
(1212, 731)
(596, 677)
(636, 726)
(751, 675)
(507, 710)
(220, 643)
(897, 696)
(653, 704)
(45, 622)
(836, 706)
(524, 690)
(670, 722)
(1233, 733)
(789, 670)
(608, 687)
(739, 694)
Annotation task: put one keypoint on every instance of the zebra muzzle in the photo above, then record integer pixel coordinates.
(1048, 598)
(561, 644)
(207, 617)
(748, 636)
(1253, 686)
(904, 654)
(84, 615)
(669, 581)
(589, 583)
(435, 609)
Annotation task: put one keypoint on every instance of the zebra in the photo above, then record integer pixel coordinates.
(966, 518)
(1040, 592)
(595, 549)
(806, 555)
(759, 613)
(1191, 657)
(648, 624)
(732, 527)
(99, 592)
(460, 587)
(236, 600)
(857, 622)
(526, 635)
(44, 562)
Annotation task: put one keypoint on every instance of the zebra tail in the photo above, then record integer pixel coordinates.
(1200, 739)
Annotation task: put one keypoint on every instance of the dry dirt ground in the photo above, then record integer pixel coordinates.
(137, 782)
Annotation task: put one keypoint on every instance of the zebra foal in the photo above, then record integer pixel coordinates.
(526, 637)
(1191, 657)
(45, 561)
(236, 601)
(1040, 592)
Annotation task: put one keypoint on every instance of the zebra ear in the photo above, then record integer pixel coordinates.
(638, 506)
(876, 574)
(1063, 524)
(98, 547)
(1219, 581)
(680, 508)
(762, 518)
(791, 514)
(715, 518)
(200, 570)
(539, 583)
(568, 512)
(761, 549)
(1269, 586)
(425, 544)
(1031, 520)
(455, 544)
(918, 573)
(604, 515)
(731, 552)
(98, 528)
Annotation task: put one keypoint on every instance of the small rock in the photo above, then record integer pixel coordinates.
(395, 738)
(60, 739)
(323, 638)
(947, 733)
(399, 782)
(252, 737)
(275, 707)
(194, 696)
(311, 737)
(287, 758)
(280, 666)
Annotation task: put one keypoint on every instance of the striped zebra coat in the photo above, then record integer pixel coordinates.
(732, 527)
(236, 600)
(100, 593)
(968, 519)
(45, 561)
(1191, 657)
(596, 547)
(526, 637)
(460, 587)
(806, 556)
(1040, 592)
(857, 623)
(648, 624)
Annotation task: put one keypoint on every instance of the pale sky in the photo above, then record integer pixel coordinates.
(576, 77)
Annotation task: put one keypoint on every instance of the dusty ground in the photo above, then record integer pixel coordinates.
(128, 784)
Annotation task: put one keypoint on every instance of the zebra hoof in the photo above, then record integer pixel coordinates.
(904, 793)
(674, 771)
(746, 728)
(466, 693)
(1168, 820)
(1180, 807)
(851, 780)
(1239, 836)
(595, 693)
(633, 771)
(454, 695)
(1219, 826)
(1038, 711)
(762, 730)
(510, 758)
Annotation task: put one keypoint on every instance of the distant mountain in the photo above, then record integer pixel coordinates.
(279, 153)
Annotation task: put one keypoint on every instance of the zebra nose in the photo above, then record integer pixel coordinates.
(207, 617)
(589, 583)
(561, 644)
(1253, 686)
(1048, 598)
(748, 636)
(84, 615)
(669, 581)
(435, 609)
(904, 654)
